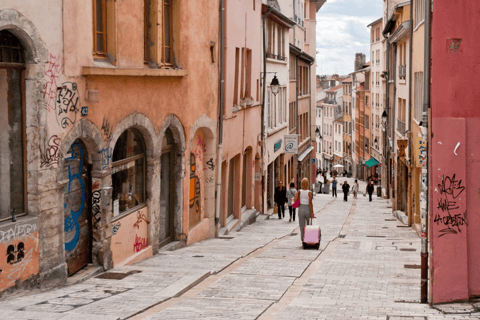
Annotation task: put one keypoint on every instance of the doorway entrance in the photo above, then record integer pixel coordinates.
(77, 209)
(167, 187)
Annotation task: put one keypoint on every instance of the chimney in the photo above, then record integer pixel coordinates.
(360, 60)
(335, 76)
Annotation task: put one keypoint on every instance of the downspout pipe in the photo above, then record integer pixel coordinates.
(387, 111)
(264, 93)
(426, 137)
(221, 89)
(410, 107)
(297, 124)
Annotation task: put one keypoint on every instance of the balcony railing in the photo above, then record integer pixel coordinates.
(400, 126)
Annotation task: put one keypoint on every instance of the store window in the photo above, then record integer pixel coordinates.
(128, 172)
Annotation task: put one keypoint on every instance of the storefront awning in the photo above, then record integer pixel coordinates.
(371, 162)
(304, 153)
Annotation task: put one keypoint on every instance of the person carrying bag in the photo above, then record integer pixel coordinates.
(290, 196)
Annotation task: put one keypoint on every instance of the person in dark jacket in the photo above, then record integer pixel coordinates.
(280, 197)
(346, 189)
(370, 189)
(334, 187)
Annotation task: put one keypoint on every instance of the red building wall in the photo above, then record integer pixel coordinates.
(455, 151)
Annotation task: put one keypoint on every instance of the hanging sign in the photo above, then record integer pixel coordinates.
(291, 143)
(277, 145)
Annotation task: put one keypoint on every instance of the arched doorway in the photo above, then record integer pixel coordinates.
(167, 187)
(77, 209)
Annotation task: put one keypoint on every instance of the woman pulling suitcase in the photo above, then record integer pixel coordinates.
(305, 210)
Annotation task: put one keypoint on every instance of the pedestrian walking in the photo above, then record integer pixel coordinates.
(355, 189)
(346, 189)
(334, 187)
(305, 210)
(290, 195)
(280, 197)
(370, 189)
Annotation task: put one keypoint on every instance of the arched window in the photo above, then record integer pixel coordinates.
(12, 127)
(128, 172)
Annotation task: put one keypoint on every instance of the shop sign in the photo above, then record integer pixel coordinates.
(257, 176)
(277, 145)
(420, 152)
(291, 143)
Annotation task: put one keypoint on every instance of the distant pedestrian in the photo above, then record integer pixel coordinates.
(290, 195)
(334, 187)
(355, 189)
(346, 189)
(280, 197)
(305, 210)
(370, 189)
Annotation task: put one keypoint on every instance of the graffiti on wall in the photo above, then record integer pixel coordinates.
(66, 104)
(71, 224)
(115, 227)
(49, 89)
(20, 246)
(106, 129)
(96, 199)
(210, 164)
(106, 155)
(450, 218)
(194, 203)
(49, 155)
(141, 217)
(140, 244)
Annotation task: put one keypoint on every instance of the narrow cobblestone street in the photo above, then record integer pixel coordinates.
(262, 272)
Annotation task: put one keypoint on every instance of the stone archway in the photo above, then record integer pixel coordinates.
(202, 169)
(175, 127)
(91, 138)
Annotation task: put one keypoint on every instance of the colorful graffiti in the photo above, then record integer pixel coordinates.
(140, 244)
(66, 104)
(71, 222)
(49, 90)
(49, 156)
(194, 202)
(21, 245)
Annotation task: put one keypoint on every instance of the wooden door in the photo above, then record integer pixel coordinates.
(78, 220)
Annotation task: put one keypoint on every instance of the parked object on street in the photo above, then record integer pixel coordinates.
(313, 235)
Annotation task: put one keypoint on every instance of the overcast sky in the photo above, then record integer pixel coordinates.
(342, 31)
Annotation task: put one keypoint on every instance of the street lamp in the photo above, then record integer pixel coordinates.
(384, 117)
(275, 85)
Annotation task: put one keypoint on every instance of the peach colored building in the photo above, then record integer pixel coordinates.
(242, 114)
(117, 146)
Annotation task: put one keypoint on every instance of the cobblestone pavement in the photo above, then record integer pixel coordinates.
(262, 272)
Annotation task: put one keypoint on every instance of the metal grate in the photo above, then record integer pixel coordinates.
(412, 266)
(116, 275)
(407, 249)
(10, 48)
(406, 318)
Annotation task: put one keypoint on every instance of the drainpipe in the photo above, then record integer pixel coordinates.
(310, 126)
(394, 71)
(426, 109)
(263, 103)
(410, 99)
(220, 116)
(387, 111)
(296, 107)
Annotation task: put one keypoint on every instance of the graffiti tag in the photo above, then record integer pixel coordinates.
(139, 244)
(115, 227)
(18, 231)
(49, 90)
(141, 217)
(49, 156)
(450, 189)
(106, 156)
(66, 104)
(211, 164)
(71, 222)
(96, 198)
(106, 129)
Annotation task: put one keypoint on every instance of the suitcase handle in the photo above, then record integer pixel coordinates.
(313, 222)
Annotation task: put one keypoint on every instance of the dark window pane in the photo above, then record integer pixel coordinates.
(167, 55)
(99, 15)
(129, 144)
(167, 26)
(100, 47)
(128, 183)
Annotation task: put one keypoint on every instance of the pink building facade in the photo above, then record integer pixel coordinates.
(454, 152)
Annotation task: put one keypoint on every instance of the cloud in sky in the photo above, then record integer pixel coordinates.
(342, 31)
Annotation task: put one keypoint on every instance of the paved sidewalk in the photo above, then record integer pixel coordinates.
(262, 272)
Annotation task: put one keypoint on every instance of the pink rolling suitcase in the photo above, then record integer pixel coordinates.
(312, 235)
